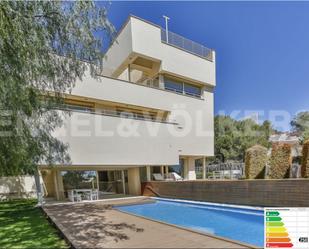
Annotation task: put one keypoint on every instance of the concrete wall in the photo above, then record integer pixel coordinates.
(17, 187)
(106, 140)
(146, 40)
(119, 51)
(285, 193)
(192, 137)
(195, 116)
(139, 37)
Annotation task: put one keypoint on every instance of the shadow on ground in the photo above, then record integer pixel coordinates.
(88, 225)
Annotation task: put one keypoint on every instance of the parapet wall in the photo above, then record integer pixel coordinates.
(284, 193)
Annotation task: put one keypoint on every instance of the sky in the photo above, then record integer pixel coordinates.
(262, 50)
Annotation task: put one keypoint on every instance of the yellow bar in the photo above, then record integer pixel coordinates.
(275, 229)
(277, 235)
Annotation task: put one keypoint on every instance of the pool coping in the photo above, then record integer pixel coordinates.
(185, 228)
(256, 208)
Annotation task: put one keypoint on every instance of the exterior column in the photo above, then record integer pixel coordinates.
(189, 168)
(162, 170)
(148, 173)
(59, 190)
(60, 185)
(204, 168)
(98, 182)
(54, 174)
(123, 179)
(134, 181)
(166, 171)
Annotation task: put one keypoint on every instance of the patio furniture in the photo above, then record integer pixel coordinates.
(84, 193)
(158, 177)
(73, 196)
(176, 177)
(95, 194)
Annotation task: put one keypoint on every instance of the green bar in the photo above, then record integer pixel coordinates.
(273, 219)
(274, 213)
(275, 224)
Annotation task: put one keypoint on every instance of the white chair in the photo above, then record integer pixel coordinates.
(176, 177)
(95, 194)
(158, 177)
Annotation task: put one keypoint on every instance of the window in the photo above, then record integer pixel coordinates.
(192, 90)
(182, 87)
(173, 85)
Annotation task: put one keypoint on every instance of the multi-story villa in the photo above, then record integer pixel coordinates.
(150, 111)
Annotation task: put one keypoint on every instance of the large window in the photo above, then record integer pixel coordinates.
(182, 87)
(173, 85)
(192, 90)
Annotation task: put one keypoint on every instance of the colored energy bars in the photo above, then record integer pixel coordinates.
(276, 233)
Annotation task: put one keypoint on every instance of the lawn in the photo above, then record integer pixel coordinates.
(22, 225)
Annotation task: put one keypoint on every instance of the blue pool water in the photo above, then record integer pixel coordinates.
(245, 225)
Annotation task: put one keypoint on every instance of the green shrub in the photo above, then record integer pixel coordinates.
(255, 161)
(280, 161)
(305, 160)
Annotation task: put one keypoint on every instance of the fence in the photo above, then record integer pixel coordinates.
(237, 170)
(186, 44)
(223, 170)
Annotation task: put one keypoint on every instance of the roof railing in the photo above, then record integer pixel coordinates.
(186, 44)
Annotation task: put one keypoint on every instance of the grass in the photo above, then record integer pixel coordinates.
(22, 225)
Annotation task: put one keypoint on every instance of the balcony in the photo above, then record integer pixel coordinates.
(186, 44)
(107, 140)
(112, 113)
(140, 40)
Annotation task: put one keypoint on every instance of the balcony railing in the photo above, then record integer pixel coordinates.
(113, 113)
(186, 44)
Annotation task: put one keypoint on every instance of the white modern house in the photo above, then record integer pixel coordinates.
(150, 111)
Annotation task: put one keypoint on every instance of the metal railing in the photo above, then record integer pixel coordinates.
(183, 92)
(186, 44)
(113, 113)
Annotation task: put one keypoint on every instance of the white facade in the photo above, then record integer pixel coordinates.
(137, 68)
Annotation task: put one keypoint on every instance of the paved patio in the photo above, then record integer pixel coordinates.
(97, 225)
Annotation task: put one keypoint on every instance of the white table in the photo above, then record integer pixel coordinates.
(76, 192)
(84, 191)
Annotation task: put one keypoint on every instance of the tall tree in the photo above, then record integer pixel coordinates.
(233, 137)
(41, 47)
(300, 124)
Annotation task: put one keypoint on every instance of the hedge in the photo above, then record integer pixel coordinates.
(255, 162)
(280, 161)
(305, 160)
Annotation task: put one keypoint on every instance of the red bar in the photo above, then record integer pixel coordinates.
(279, 245)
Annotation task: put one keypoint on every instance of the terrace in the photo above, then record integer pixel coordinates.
(89, 225)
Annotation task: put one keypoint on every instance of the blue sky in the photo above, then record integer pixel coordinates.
(262, 48)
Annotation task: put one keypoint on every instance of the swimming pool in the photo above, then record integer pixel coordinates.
(242, 224)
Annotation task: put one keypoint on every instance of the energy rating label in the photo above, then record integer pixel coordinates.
(286, 227)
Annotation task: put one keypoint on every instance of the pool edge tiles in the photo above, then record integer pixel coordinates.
(256, 208)
(211, 235)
